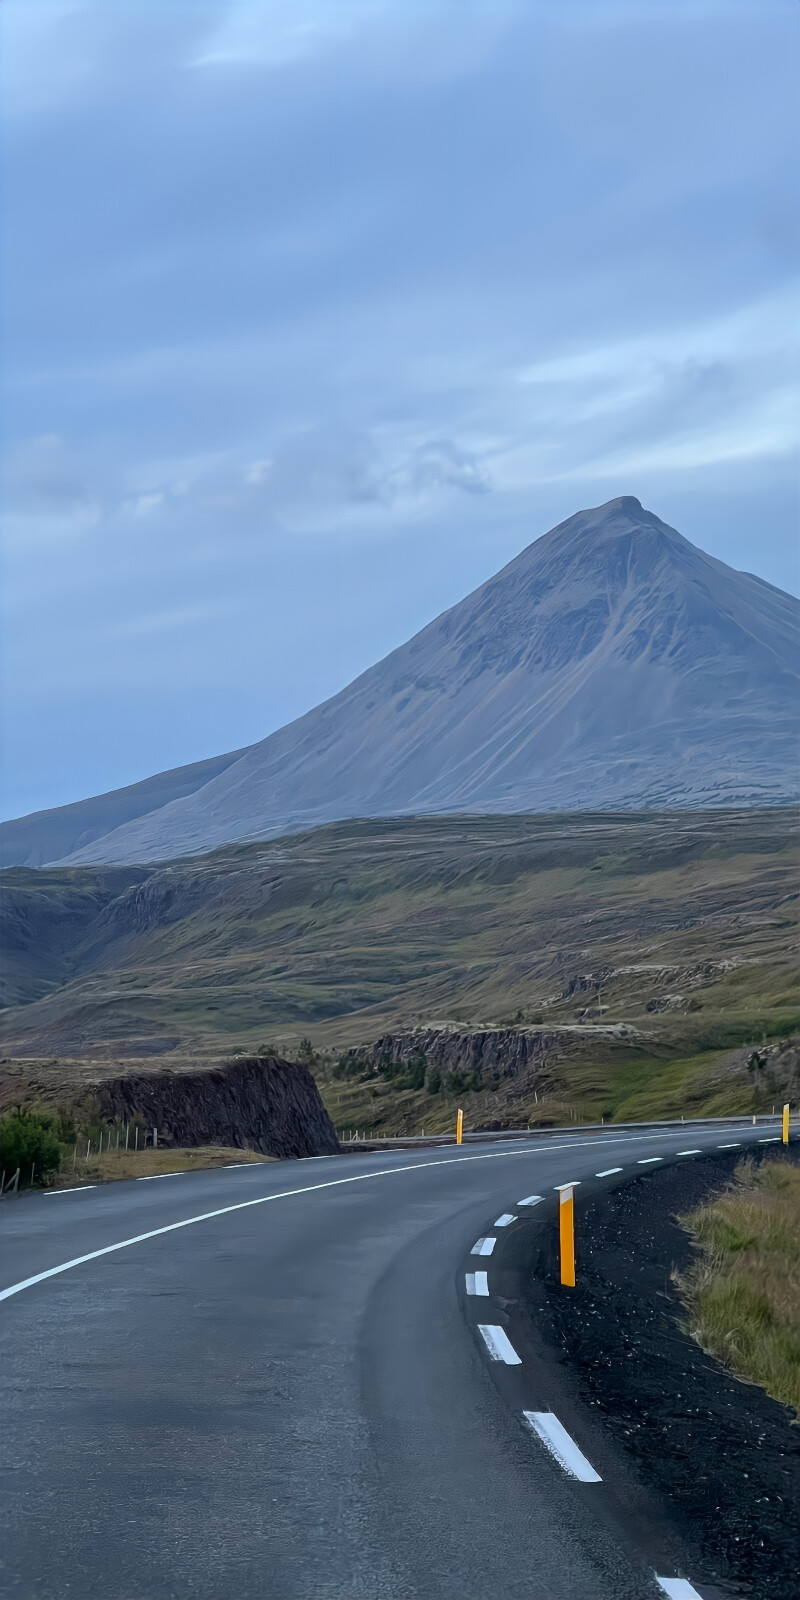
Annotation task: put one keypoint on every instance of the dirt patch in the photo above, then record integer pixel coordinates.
(120, 1164)
(721, 1455)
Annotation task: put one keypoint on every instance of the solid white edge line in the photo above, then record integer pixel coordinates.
(532, 1200)
(78, 1189)
(478, 1283)
(499, 1345)
(554, 1436)
(647, 1161)
(677, 1588)
(505, 1220)
(310, 1188)
(608, 1172)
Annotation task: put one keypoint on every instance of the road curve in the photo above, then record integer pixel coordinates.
(265, 1382)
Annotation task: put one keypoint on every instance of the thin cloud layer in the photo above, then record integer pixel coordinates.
(316, 313)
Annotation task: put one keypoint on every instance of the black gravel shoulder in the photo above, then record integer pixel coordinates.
(722, 1457)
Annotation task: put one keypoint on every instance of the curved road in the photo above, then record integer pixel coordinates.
(290, 1396)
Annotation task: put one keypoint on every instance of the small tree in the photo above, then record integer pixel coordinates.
(29, 1140)
(306, 1054)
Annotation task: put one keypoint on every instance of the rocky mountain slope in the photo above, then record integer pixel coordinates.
(611, 664)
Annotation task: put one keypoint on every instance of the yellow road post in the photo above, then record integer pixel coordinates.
(566, 1229)
(459, 1127)
(785, 1129)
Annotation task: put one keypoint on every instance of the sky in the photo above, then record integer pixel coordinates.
(316, 312)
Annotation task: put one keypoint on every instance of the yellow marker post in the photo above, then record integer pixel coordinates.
(785, 1130)
(459, 1127)
(566, 1228)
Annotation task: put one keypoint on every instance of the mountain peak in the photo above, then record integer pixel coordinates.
(611, 664)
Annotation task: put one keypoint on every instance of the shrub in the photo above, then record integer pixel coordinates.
(29, 1140)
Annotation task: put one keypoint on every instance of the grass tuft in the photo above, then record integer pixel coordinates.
(743, 1291)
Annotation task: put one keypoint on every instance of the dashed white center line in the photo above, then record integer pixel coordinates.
(477, 1283)
(502, 1222)
(532, 1200)
(78, 1189)
(152, 1176)
(737, 1145)
(677, 1588)
(483, 1247)
(554, 1436)
(559, 1186)
(608, 1171)
(499, 1345)
(647, 1161)
(693, 1152)
(776, 1140)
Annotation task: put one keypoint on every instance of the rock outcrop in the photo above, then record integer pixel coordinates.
(253, 1102)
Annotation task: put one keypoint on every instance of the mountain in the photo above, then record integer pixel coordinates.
(612, 664)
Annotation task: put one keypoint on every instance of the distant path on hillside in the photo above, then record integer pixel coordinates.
(271, 1381)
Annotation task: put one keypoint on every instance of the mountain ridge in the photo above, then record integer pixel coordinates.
(610, 664)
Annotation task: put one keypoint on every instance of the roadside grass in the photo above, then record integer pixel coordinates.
(743, 1291)
(116, 1164)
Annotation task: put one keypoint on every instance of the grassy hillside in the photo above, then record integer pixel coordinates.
(647, 948)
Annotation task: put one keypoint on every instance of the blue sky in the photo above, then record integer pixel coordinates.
(317, 311)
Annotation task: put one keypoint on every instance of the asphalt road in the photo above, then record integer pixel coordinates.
(291, 1397)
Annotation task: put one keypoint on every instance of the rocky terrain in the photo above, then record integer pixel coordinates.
(252, 1102)
(611, 664)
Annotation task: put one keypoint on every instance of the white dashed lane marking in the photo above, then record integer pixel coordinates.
(776, 1140)
(532, 1200)
(483, 1247)
(477, 1283)
(152, 1176)
(499, 1345)
(574, 1185)
(735, 1146)
(502, 1222)
(693, 1152)
(647, 1161)
(678, 1588)
(555, 1438)
(608, 1172)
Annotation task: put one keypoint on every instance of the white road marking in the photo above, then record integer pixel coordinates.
(503, 1222)
(677, 1588)
(231, 1166)
(151, 1176)
(499, 1345)
(559, 1186)
(735, 1146)
(693, 1152)
(78, 1189)
(478, 1283)
(608, 1172)
(554, 1436)
(311, 1188)
(483, 1247)
(647, 1161)
(532, 1200)
(776, 1140)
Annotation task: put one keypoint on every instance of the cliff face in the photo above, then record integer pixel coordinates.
(492, 1052)
(255, 1102)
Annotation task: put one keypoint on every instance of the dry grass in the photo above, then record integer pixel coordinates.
(115, 1164)
(744, 1289)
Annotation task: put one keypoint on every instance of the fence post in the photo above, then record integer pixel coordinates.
(785, 1126)
(459, 1127)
